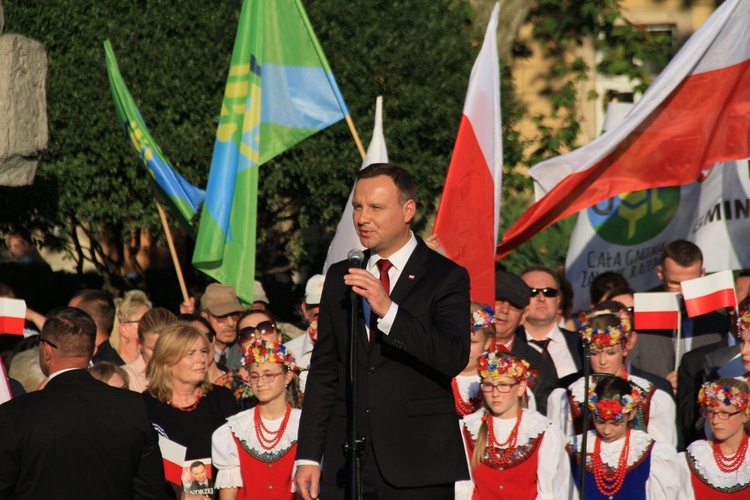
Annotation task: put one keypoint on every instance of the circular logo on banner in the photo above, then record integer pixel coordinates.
(632, 218)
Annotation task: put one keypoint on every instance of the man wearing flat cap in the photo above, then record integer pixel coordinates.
(512, 298)
(221, 308)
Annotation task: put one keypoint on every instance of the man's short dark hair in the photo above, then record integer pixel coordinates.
(683, 252)
(407, 188)
(71, 330)
(195, 464)
(604, 282)
(543, 269)
(100, 306)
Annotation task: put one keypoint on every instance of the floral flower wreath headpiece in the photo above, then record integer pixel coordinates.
(743, 321)
(482, 318)
(611, 336)
(264, 351)
(713, 394)
(614, 409)
(496, 364)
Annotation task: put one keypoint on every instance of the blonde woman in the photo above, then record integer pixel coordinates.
(124, 338)
(181, 402)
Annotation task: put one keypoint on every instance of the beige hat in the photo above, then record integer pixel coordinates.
(259, 295)
(314, 289)
(220, 300)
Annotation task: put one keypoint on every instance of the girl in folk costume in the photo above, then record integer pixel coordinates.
(514, 452)
(720, 468)
(466, 393)
(622, 462)
(608, 333)
(254, 451)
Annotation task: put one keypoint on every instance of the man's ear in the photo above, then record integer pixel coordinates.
(660, 273)
(409, 209)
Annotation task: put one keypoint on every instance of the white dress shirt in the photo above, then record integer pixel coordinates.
(558, 349)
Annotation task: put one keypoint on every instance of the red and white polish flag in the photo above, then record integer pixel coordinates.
(469, 213)
(656, 311)
(12, 316)
(709, 293)
(694, 115)
(173, 456)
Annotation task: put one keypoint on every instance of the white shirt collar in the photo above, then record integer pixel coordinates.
(555, 335)
(53, 375)
(398, 258)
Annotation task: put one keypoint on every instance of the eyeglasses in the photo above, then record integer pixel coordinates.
(723, 415)
(263, 329)
(47, 342)
(547, 292)
(122, 322)
(255, 379)
(489, 387)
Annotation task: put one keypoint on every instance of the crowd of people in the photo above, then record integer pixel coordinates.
(456, 399)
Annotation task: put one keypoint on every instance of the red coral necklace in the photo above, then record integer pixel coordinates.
(274, 437)
(465, 407)
(732, 462)
(496, 460)
(610, 483)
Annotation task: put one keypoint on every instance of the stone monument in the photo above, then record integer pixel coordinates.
(23, 107)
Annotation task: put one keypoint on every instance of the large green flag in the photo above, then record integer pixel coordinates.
(280, 90)
(178, 194)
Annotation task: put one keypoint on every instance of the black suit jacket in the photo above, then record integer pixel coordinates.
(575, 347)
(547, 376)
(78, 438)
(406, 410)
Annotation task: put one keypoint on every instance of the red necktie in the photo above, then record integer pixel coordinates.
(383, 266)
(501, 348)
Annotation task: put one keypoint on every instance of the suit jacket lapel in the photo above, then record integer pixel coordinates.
(413, 271)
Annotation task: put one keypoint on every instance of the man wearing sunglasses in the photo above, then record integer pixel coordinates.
(540, 330)
(412, 339)
(53, 441)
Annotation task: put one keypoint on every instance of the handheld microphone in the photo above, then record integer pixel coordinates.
(356, 258)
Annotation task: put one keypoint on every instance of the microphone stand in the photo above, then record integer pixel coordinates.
(353, 446)
(585, 417)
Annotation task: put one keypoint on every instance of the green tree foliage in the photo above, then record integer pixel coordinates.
(174, 56)
(560, 28)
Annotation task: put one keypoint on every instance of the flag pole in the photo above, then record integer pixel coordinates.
(677, 357)
(175, 260)
(353, 130)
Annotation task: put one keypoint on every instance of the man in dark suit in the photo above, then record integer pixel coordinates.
(201, 484)
(411, 343)
(559, 346)
(78, 437)
(680, 260)
(511, 307)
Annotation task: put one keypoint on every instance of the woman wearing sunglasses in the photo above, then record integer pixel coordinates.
(514, 452)
(251, 327)
(720, 468)
(254, 451)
